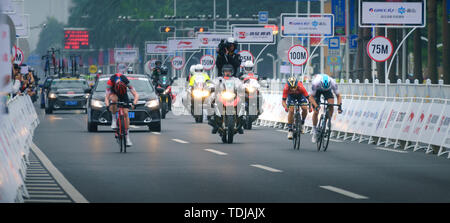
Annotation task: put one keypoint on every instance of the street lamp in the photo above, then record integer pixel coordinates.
(273, 64)
(256, 64)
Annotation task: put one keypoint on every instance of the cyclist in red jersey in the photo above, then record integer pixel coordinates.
(295, 92)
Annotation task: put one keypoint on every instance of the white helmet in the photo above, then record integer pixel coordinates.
(199, 68)
(192, 69)
(248, 65)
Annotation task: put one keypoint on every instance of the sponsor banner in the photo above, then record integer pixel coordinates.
(382, 119)
(431, 123)
(211, 40)
(307, 26)
(442, 136)
(187, 44)
(248, 34)
(419, 121)
(125, 55)
(374, 109)
(396, 13)
(399, 120)
(156, 48)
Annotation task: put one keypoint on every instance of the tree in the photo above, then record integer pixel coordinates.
(51, 36)
(446, 43)
(380, 65)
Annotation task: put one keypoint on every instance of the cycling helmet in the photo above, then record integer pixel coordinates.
(130, 70)
(158, 63)
(248, 66)
(227, 67)
(164, 70)
(199, 68)
(120, 88)
(292, 82)
(325, 82)
(192, 69)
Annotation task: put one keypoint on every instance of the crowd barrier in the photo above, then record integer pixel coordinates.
(409, 122)
(16, 135)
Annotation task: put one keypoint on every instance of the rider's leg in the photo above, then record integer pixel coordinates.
(290, 117)
(304, 113)
(331, 108)
(113, 108)
(127, 126)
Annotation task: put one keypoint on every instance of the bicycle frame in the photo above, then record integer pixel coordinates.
(324, 123)
(121, 131)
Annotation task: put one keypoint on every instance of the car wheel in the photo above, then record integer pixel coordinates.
(48, 110)
(155, 127)
(92, 127)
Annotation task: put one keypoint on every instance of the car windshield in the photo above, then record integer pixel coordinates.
(62, 84)
(139, 84)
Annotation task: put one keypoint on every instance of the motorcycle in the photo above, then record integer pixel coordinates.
(199, 93)
(228, 111)
(164, 90)
(253, 102)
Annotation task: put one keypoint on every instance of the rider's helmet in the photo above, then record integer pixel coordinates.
(292, 82)
(164, 70)
(120, 88)
(248, 66)
(325, 82)
(158, 63)
(199, 68)
(227, 70)
(100, 71)
(130, 70)
(192, 69)
(231, 42)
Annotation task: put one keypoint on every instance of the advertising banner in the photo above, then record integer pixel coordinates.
(156, 48)
(338, 10)
(392, 13)
(254, 35)
(125, 55)
(442, 136)
(211, 40)
(431, 123)
(307, 26)
(186, 44)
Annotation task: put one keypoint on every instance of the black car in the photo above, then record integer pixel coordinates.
(45, 86)
(67, 94)
(146, 111)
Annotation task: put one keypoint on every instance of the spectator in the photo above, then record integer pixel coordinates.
(17, 80)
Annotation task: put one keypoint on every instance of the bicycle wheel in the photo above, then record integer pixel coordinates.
(320, 132)
(123, 134)
(119, 134)
(327, 134)
(298, 131)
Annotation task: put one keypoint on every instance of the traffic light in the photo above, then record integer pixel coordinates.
(166, 29)
(200, 29)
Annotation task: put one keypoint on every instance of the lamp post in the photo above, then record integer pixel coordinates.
(274, 74)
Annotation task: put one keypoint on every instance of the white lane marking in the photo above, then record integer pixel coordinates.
(266, 168)
(179, 141)
(30, 188)
(49, 196)
(344, 192)
(282, 131)
(39, 181)
(335, 140)
(57, 118)
(38, 178)
(76, 196)
(391, 150)
(45, 192)
(41, 185)
(216, 152)
(156, 133)
(133, 127)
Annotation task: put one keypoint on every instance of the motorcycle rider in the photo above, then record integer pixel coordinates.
(156, 72)
(248, 71)
(164, 71)
(227, 75)
(227, 54)
(198, 71)
(130, 70)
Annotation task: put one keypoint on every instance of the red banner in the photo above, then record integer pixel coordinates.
(111, 57)
(100, 58)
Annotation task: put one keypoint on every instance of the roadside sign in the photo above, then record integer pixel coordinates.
(92, 69)
(307, 25)
(208, 62)
(334, 60)
(353, 41)
(263, 17)
(177, 63)
(18, 56)
(334, 52)
(380, 49)
(246, 55)
(334, 43)
(298, 55)
(253, 34)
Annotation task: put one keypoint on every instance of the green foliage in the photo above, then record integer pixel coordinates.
(51, 36)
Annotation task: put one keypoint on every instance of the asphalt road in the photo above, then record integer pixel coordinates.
(186, 163)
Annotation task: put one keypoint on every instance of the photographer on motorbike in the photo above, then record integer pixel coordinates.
(227, 54)
(218, 83)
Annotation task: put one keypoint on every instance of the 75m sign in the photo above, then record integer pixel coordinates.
(380, 49)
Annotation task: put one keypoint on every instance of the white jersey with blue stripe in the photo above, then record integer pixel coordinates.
(316, 84)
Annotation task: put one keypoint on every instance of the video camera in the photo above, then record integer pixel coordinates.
(222, 47)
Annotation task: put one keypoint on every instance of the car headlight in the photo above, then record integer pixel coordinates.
(200, 93)
(97, 103)
(52, 95)
(152, 103)
(86, 96)
(228, 95)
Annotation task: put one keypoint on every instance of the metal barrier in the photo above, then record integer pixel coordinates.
(16, 134)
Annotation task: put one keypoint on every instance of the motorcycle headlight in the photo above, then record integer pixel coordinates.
(52, 95)
(250, 89)
(166, 91)
(97, 103)
(200, 93)
(228, 95)
(152, 103)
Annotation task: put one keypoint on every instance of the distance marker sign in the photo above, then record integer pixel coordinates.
(178, 63)
(246, 55)
(298, 55)
(380, 48)
(208, 62)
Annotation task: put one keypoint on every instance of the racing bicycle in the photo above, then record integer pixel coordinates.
(297, 125)
(324, 128)
(121, 131)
